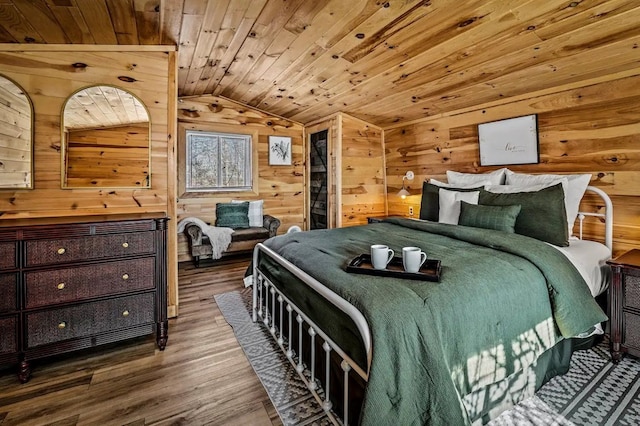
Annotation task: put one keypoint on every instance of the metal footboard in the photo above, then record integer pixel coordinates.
(278, 313)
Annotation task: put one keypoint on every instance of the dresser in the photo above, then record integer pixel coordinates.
(624, 299)
(71, 286)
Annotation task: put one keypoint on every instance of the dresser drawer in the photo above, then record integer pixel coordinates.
(7, 255)
(8, 335)
(49, 287)
(89, 319)
(56, 251)
(8, 294)
(631, 285)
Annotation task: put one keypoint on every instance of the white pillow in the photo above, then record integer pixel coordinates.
(573, 191)
(255, 212)
(462, 186)
(450, 204)
(495, 177)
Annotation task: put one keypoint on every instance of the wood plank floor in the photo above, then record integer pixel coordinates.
(202, 377)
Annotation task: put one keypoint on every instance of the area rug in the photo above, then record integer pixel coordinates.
(594, 391)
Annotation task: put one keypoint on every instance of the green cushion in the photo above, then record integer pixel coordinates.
(500, 218)
(542, 215)
(232, 215)
(430, 203)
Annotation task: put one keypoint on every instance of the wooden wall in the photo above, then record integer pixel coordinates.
(590, 128)
(363, 173)
(357, 183)
(281, 187)
(51, 73)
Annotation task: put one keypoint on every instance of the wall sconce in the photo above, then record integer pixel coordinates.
(403, 193)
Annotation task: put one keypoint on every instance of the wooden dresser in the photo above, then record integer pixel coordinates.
(624, 299)
(72, 286)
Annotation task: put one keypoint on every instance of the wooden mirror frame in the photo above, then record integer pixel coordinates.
(26, 182)
(104, 113)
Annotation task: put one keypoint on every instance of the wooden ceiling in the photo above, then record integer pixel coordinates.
(382, 61)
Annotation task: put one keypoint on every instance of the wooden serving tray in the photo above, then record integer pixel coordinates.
(430, 270)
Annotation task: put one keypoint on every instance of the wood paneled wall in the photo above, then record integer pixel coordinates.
(593, 128)
(281, 187)
(50, 74)
(363, 174)
(356, 155)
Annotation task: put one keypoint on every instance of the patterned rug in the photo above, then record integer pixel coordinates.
(593, 392)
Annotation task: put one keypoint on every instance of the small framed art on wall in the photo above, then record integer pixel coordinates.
(279, 151)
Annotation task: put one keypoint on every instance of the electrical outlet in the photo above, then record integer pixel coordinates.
(410, 210)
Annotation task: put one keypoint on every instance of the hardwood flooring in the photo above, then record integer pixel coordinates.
(202, 377)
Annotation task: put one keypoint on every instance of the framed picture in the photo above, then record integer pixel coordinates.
(510, 141)
(279, 151)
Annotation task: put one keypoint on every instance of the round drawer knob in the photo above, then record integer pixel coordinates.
(125, 245)
(125, 276)
(61, 250)
(62, 325)
(60, 286)
(125, 314)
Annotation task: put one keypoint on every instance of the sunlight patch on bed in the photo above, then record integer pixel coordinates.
(486, 380)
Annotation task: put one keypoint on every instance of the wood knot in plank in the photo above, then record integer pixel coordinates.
(127, 79)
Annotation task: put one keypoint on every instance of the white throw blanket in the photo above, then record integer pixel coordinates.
(219, 237)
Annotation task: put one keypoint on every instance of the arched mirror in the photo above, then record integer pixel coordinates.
(106, 140)
(16, 136)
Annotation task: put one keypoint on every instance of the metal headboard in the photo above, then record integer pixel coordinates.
(607, 215)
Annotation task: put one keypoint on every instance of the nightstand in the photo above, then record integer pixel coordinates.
(624, 305)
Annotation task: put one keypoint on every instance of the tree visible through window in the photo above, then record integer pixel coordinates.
(218, 161)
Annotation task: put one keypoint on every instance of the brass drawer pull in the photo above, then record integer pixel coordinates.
(60, 286)
(62, 324)
(125, 313)
(125, 245)
(61, 250)
(125, 276)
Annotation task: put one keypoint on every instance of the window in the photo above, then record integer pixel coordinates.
(217, 161)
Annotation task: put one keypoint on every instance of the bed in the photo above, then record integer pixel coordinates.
(503, 319)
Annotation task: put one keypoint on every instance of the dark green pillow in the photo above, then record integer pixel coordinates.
(232, 215)
(430, 203)
(542, 215)
(500, 218)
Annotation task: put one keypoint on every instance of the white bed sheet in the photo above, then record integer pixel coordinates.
(589, 258)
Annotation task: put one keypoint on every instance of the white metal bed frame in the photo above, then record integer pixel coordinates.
(267, 295)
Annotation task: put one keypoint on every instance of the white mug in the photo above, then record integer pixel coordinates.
(381, 255)
(413, 258)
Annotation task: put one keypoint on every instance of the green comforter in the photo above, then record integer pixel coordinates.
(502, 301)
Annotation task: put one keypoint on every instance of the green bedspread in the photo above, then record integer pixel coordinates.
(503, 300)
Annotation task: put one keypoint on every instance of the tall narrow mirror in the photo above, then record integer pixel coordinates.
(16, 136)
(106, 140)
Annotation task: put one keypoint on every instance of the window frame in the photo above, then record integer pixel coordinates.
(246, 171)
(253, 135)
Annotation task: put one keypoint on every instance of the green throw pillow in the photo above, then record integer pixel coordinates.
(232, 215)
(430, 203)
(542, 215)
(500, 218)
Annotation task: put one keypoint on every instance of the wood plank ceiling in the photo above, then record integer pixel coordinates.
(382, 61)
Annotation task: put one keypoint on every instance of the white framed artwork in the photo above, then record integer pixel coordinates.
(279, 151)
(509, 141)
